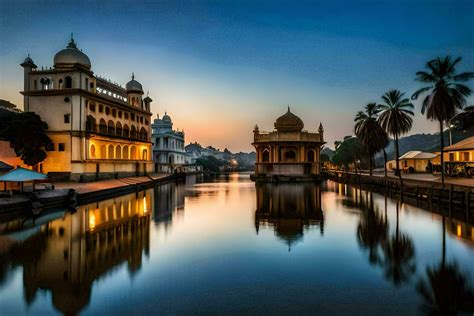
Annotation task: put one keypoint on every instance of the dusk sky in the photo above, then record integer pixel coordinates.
(220, 67)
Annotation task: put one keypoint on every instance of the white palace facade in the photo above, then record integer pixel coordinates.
(98, 128)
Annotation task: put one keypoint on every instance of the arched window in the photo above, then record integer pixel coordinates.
(126, 131)
(114, 112)
(118, 129)
(103, 152)
(125, 152)
(91, 124)
(311, 155)
(145, 154)
(111, 152)
(102, 126)
(61, 84)
(111, 128)
(290, 155)
(68, 82)
(107, 110)
(143, 134)
(118, 152)
(265, 155)
(92, 152)
(133, 132)
(133, 152)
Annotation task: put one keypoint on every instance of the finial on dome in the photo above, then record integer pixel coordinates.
(288, 108)
(72, 44)
(321, 129)
(133, 76)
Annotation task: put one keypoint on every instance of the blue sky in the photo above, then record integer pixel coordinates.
(219, 67)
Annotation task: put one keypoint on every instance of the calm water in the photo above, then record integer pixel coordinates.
(227, 246)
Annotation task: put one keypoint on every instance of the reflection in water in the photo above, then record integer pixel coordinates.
(289, 208)
(67, 255)
(168, 199)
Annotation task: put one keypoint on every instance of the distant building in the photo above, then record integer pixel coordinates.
(98, 128)
(168, 145)
(414, 161)
(288, 152)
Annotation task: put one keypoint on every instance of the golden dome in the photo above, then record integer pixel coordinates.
(70, 56)
(289, 122)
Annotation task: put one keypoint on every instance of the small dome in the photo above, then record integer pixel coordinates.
(289, 122)
(166, 118)
(28, 62)
(70, 56)
(134, 86)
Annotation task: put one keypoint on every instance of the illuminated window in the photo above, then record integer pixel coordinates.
(92, 151)
(110, 152)
(118, 152)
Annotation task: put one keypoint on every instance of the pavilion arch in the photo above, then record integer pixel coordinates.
(103, 152)
(111, 127)
(266, 155)
(110, 152)
(118, 129)
(126, 131)
(92, 151)
(118, 152)
(68, 82)
(133, 152)
(290, 154)
(311, 155)
(143, 133)
(133, 132)
(102, 126)
(145, 154)
(125, 152)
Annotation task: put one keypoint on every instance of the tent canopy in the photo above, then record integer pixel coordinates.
(22, 175)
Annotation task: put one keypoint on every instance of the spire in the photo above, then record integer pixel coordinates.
(321, 129)
(72, 44)
(288, 108)
(133, 76)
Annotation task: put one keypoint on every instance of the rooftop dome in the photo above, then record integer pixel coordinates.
(289, 122)
(28, 62)
(166, 118)
(134, 86)
(70, 56)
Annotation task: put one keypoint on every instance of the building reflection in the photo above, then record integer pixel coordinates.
(69, 254)
(169, 198)
(289, 209)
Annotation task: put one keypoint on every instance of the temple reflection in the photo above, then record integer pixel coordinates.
(68, 254)
(289, 209)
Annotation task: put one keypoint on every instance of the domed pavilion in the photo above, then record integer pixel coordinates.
(288, 153)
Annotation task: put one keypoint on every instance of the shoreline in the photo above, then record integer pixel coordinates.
(20, 205)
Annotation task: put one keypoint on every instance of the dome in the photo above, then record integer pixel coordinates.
(28, 62)
(134, 86)
(70, 56)
(166, 118)
(289, 122)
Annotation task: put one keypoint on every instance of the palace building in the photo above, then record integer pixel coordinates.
(289, 152)
(168, 149)
(98, 128)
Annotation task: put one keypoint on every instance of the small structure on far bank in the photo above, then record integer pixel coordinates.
(415, 161)
(459, 157)
(288, 153)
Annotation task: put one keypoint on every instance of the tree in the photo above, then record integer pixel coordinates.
(372, 136)
(464, 121)
(26, 133)
(445, 95)
(396, 119)
(349, 151)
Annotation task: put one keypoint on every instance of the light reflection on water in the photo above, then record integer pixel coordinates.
(230, 246)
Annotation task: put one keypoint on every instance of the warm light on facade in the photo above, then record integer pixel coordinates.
(91, 220)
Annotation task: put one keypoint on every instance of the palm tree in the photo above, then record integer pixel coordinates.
(396, 119)
(399, 253)
(446, 93)
(372, 136)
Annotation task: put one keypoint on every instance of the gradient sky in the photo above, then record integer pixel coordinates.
(220, 67)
